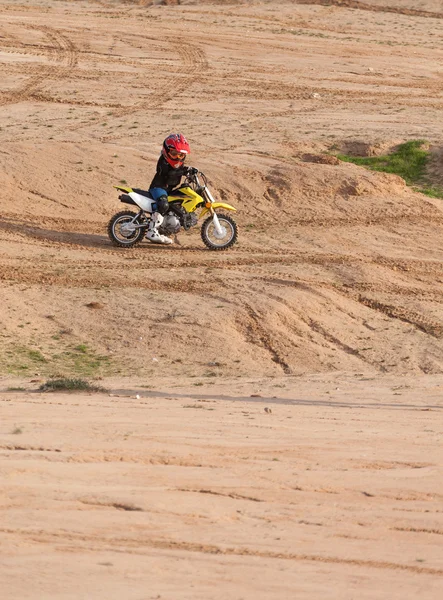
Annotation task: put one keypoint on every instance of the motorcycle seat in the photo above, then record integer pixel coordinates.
(143, 193)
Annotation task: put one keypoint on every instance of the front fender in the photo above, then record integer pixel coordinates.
(216, 205)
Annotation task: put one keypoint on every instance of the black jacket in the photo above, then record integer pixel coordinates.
(167, 177)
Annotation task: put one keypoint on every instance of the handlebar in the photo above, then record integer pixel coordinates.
(193, 174)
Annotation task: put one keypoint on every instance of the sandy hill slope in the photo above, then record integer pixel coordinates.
(337, 268)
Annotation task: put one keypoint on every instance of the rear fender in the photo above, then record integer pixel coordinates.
(216, 205)
(127, 199)
(127, 190)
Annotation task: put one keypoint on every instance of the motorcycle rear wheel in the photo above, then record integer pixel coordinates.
(210, 237)
(122, 233)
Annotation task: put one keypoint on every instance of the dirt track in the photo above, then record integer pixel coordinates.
(337, 270)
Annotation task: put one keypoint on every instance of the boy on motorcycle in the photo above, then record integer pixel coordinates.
(170, 170)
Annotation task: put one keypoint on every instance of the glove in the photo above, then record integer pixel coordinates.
(190, 171)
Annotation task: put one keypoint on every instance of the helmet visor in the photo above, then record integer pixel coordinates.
(173, 153)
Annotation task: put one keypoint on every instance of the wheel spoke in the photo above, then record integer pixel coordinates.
(124, 230)
(223, 240)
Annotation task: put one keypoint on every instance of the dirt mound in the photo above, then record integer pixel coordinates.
(67, 182)
(271, 305)
(365, 148)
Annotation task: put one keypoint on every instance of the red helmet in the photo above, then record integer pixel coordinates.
(175, 149)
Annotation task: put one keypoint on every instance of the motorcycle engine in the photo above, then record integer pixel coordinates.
(189, 220)
(170, 224)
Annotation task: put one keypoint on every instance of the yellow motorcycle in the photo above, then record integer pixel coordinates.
(187, 205)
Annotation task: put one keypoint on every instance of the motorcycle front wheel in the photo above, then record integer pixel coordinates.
(216, 241)
(122, 231)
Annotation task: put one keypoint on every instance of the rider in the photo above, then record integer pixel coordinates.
(170, 170)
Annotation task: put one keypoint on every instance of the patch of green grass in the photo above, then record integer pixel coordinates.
(71, 361)
(15, 389)
(83, 361)
(19, 359)
(409, 161)
(69, 384)
(17, 430)
(36, 356)
(433, 191)
(82, 348)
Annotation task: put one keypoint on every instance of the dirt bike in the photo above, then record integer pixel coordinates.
(218, 230)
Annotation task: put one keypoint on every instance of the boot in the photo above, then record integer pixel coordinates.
(153, 235)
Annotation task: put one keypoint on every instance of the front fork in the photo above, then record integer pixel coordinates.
(218, 229)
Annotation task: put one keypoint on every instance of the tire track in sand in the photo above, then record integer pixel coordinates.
(194, 63)
(357, 5)
(132, 545)
(61, 51)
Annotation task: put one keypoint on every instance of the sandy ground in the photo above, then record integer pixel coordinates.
(278, 488)
(328, 311)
